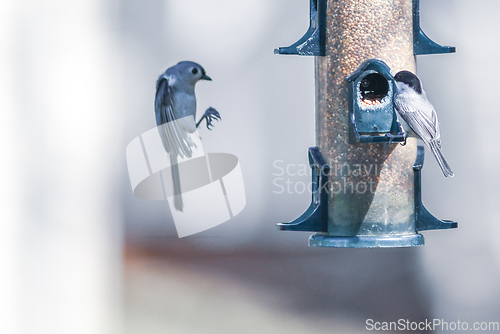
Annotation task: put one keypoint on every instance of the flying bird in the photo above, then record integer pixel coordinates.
(175, 99)
(417, 115)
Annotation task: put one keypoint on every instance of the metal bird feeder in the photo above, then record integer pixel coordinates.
(366, 186)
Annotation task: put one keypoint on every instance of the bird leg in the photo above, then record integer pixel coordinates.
(210, 115)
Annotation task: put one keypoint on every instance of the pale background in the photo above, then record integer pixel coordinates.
(80, 254)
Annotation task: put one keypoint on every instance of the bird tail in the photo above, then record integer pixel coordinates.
(443, 164)
(177, 183)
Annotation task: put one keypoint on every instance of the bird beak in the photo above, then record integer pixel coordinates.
(206, 77)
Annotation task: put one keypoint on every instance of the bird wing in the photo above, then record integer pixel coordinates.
(175, 139)
(420, 116)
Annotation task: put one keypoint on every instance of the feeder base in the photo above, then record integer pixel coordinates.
(323, 240)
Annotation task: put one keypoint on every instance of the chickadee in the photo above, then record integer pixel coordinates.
(417, 115)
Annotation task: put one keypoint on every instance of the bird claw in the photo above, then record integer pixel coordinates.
(404, 143)
(210, 115)
(391, 138)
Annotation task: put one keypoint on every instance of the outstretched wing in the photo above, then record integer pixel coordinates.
(175, 139)
(420, 116)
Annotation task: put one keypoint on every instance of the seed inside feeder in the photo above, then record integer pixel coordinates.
(357, 30)
(372, 101)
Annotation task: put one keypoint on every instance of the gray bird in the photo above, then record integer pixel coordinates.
(175, 99)
(417, 115)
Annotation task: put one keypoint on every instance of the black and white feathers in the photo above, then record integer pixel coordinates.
(418, 116)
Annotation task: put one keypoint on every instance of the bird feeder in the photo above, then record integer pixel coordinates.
(366, 176)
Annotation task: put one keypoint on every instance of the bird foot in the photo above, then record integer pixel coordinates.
(391, 138)
(210, 115)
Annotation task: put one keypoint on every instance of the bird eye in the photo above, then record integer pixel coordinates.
(365, 83)
(194, 70)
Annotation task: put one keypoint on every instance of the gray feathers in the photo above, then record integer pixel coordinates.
(419, 117)
(175, 100)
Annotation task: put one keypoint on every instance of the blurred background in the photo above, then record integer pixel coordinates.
(80, 254)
